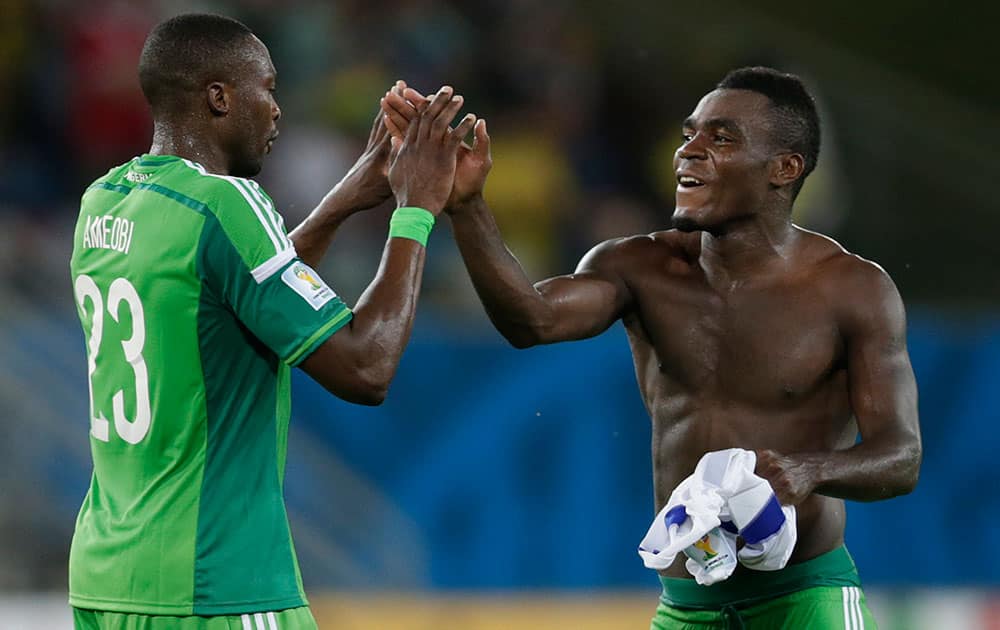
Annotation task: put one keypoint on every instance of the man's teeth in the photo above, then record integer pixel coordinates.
(689, 181)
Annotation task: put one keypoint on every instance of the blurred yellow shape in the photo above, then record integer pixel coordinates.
(409, 611)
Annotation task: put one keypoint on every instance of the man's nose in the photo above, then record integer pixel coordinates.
(692, 149)
(276, 112)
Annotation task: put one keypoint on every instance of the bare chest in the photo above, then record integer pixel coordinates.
(755, 344)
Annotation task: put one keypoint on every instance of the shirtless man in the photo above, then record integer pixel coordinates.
(746, 331)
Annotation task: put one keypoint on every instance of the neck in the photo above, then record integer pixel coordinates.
(186, 141)
(752, 247)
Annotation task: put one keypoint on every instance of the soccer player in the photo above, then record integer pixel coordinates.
(746, 331)
(195, 305)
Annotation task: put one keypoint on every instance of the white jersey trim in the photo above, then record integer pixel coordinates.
(263, 210)
(276, 219)
(270, 266)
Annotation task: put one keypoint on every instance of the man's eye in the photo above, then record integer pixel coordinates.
(723, 139)
(686, 137)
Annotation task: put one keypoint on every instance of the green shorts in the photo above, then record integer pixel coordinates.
(291, 619)
(820, 594)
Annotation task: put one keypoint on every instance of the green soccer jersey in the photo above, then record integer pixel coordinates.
(194, 307)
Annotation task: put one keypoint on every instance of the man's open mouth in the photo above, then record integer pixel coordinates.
(686, 181)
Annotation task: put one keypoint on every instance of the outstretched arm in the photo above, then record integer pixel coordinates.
(576, 306)
(563, 308)
(883, 394)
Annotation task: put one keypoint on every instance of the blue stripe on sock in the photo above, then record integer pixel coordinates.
(767, 522)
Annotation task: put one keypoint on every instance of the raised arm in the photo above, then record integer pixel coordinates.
(883, 395)
(357, 362)
(564, 308)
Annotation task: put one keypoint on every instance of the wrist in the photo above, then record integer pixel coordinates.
(359, 190)
(340, 203)
(412, 223)
(813, 468)
(417, 201)
(467, 205)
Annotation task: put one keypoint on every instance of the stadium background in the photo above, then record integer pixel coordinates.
(500, 488)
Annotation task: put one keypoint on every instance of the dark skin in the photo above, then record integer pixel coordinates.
(228, 128)
(746, 330)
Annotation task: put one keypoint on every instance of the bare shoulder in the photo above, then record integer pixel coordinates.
(843, 270)
(860, 288)
(620, 254)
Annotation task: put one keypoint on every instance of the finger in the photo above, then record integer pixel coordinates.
(394, 101)
(398, 87)
(462, 130)
(481, 141)
(397, 123)
(392, 127)
(382, 136)
(442, 122)
(380, 131)
(764, 457)
(413, 96)
(413, 130)
(378, 128)
(441, 99)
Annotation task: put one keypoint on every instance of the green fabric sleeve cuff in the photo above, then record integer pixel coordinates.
(318, 337)
(411, 223)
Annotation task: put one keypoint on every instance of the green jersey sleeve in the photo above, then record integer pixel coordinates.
(250, 266)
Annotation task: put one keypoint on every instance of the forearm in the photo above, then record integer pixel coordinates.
(871, 470)
(313, 236)
(383, 315)
(516, 308)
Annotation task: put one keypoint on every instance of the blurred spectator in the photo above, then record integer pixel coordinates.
(108, 121)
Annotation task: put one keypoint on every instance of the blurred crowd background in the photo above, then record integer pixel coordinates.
(523, 475)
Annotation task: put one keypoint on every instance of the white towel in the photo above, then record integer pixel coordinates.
(721, 498)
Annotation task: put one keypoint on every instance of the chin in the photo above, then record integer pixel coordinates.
(686, 224)
(688, 220)
(246, 169)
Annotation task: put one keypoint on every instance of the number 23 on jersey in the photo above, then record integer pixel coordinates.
(121, 290)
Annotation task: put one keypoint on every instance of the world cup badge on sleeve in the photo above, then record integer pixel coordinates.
(307, 283)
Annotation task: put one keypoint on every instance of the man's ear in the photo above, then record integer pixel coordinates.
(787, 168)
(218, 98)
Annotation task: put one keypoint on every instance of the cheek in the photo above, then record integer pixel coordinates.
(742, 175)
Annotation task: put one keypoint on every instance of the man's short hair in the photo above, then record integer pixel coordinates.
(796, 122)
(185, 53)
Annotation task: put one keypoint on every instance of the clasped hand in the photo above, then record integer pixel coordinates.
(402, 105)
